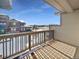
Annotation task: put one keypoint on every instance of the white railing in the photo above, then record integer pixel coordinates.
(13, 44)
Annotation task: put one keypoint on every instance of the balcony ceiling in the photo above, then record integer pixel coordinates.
(74, 4)
(65, 5)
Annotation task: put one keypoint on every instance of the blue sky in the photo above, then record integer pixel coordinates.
(32, 12)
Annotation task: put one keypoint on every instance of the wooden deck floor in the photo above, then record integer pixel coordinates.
(53, 51)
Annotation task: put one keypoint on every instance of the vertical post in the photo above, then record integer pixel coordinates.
(3, 49)
(49, 32)
(44, 37)
(53, 34)
(1, 57)
(35, 40)
(38, 39)
(29, 42)
(6, 47)
(10, 46)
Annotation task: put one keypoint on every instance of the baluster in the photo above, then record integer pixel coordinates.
(44, 37)
(29, 36)
(3, 49)
(6, 47)
(10, 46)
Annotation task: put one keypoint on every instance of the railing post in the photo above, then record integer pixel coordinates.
(53, 34)
(1, 57)
(29, 42)
(50, 34)
(3, 48)
(44, 38)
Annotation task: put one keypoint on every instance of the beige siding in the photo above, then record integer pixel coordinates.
(69, 30)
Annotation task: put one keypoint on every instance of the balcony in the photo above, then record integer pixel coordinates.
(34, 45)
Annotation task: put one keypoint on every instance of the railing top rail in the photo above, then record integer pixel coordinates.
(20, 34)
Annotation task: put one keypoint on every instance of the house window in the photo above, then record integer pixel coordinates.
(14, 23)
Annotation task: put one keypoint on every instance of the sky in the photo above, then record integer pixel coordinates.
(32, 12)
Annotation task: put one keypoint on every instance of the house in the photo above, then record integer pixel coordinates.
(15, 25)
(4, 22)
(11, 25)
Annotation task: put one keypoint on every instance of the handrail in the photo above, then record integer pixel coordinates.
(16, 43)
(21, 33)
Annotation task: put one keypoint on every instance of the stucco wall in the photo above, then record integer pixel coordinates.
(69, 30)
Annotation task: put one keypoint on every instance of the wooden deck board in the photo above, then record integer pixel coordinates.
(48, 52)
(64, 48)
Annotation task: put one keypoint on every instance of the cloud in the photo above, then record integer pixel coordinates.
(27, 11)
(45, 6)
(21, 20)
(32, 10)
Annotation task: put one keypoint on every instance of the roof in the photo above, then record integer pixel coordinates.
(14, 20)
(65, 5)
(5, 4)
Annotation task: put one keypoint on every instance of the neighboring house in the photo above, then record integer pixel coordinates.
(4, 22)
(4, 19)
(4, 4)
(15, 25)
(11, 25)
(2, 29)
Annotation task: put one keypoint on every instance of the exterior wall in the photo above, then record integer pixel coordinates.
(16, 26)
(4, 22)
(11, 25)
(4, 19)
(69, 30)
(15, 23)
